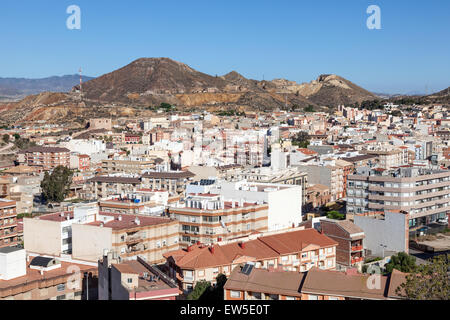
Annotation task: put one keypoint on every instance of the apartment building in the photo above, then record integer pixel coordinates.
(27, 277)
(133, 280)
(126, 236)
(144, 201)
(208, 218)
(423, 193)
(85, 233)
(52, 234)
(8, 223)
(128, 167)
(329, 175)
(46, 158)
(297, 250)
(281, 214)
(290, 176)
(106, 186)
(249, 283)
(317, 196)
(389, 159)
(350, 239)
(172, 181)
(81, 162)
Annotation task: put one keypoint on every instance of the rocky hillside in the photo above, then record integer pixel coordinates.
(150, 81)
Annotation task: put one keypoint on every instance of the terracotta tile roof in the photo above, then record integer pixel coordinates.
(306, 151)
(349, 226)
(396, 279)
(290, 242)
(260, 280)
(267, 247)
(335, 283)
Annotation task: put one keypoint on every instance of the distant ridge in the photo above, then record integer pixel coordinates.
(16, 88)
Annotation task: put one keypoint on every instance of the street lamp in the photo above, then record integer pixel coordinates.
(384, 247)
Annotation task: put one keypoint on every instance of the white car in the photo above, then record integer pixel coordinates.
(443, 220)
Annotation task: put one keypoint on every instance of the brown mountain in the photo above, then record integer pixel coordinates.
(155, 80)
(152, 81)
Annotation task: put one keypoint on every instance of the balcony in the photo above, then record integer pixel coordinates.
(357, 248)
(357, 259)
(134, 238)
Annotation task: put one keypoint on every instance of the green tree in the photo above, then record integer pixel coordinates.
(199, 290)
(55, 186)
(6, 138)
(429, 282)
(335, 215)
(402, 262)
(301, 139)
(215, 293)
(309, 108)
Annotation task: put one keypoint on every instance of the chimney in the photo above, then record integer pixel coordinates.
(119, 218)
(242, 245)
(212, 249)
(189, 249)
(137, 221)
(198, 243)
(233, 204)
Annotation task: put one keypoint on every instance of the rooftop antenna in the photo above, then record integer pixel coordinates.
(81, 80)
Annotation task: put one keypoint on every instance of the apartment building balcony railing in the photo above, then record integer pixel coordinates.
(357, 248)
(134, 238)
(357, 259)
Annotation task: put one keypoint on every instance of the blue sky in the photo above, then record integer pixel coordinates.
(297, 40)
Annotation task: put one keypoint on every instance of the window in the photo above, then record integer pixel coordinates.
(130, 280)
(256, 295)
(290, 298)
(201, 273)
(304, 255)
(216, 270)
(235, 294)
(62, 297)
(61, 287)
(285, 259)
(330, 250)
(313, 297)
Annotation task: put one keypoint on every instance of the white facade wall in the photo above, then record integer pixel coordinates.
(13, 264)
(390, 232)
(285, 202)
